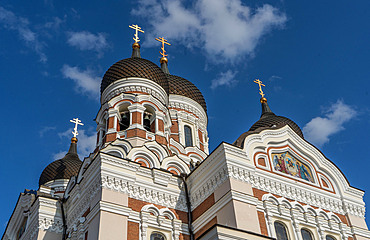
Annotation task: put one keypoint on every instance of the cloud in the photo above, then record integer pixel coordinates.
(319, 129)
(55, 23)
(59, 155)
(225, 29)
(85, 145)
(224, 79)
(21, 25)
(46, 129)
(274, 78)
(87, 41)
(86, 81)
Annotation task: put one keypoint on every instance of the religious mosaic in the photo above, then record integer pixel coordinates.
(286, 163)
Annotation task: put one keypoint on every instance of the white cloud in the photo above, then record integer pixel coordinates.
(59, 155)
(21, 25)
(87, 41)
(226, 29)
(46, 129)
(319, 129)
(86, 81)
(224, 79)
(85, 145)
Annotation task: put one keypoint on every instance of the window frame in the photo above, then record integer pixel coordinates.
(186, 126)
(285, 228)
(309, 232)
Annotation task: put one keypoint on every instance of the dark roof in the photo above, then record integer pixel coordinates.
(134, 67)
(183, 87)
(63, 168)
(268, 120)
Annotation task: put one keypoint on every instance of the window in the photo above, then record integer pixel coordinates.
(149, 119)
(329, 238)
(306, 235)
(124, 123)
(22, 229)
(188, 136)
(281, 232)
(157, 236)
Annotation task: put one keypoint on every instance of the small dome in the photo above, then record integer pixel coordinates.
(183, 87)
(271, 120)
(134, 67)
(63, 168)
(268, 120)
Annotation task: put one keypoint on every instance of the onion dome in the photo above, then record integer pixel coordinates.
(268, 120)
(134, 67)
(63, 168)
(183, 87)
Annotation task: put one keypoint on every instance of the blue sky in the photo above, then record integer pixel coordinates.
(313, 57)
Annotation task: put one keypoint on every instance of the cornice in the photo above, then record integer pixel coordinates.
(134, 85)
(146, 192)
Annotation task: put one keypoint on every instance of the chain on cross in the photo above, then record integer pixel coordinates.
(163, 41)
(259, 82)
(77, 122)
(137, 30)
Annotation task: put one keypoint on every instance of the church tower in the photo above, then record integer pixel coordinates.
(153, 111)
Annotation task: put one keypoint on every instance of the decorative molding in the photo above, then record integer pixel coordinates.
(134, 85)
(144, 192)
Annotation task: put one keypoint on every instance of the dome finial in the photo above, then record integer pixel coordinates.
(163, 60)
(77, 122)
(259, 82)
(263, 100)
(136, 45)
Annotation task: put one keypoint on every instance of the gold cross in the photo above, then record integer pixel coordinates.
(77, 122)
(163, 41)
(259, 82)
(137, 29)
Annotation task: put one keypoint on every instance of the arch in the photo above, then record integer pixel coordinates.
(270, 198)
(310, 210)
(167, 213)
(281, 231)
(176, 163)
(298, 206)
(329, 237)
(285, 203)
(157, 236)
(115, 153)
(146, 154)
(151, 209)
(323, 214)
(157, 150)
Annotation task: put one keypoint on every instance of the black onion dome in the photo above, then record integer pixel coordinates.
(183, 87)
(134, 67)
(63, 168)
(268, 120)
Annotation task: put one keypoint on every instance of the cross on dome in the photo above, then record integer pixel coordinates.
(77, 122)
(259, 82)
(163, 41)
(137, 30)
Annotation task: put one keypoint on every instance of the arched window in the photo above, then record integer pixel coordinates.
(124, 123)
(188, 136)
(149, 119)
(281, 232)
(306, 235)
(329, 237)
(157, 236)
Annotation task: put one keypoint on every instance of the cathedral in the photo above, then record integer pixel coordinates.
(152, 177)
